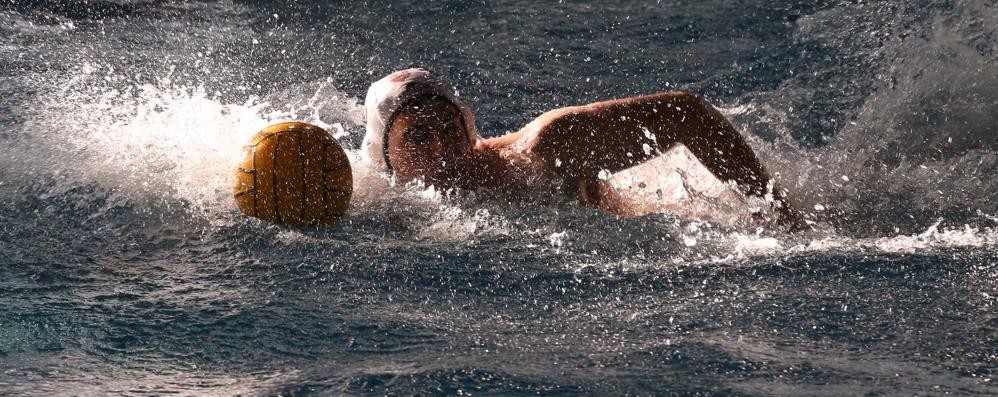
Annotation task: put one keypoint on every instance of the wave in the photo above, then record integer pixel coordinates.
(920, 141)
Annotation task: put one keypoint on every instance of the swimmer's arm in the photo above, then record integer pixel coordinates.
(579, 142)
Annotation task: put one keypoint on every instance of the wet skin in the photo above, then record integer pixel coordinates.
(426, 140)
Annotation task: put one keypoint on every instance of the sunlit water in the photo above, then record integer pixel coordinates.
(126, 268)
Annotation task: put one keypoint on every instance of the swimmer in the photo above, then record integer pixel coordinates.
(417, 128)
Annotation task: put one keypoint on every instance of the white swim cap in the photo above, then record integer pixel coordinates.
(387, 95)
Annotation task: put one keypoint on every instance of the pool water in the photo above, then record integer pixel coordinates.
(126, 269)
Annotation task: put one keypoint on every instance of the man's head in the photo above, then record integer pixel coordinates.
(416, 126)
(426, 139)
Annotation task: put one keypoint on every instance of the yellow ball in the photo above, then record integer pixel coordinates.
(294, 174)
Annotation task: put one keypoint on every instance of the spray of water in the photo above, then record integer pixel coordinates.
(921, 143)
(145, 141)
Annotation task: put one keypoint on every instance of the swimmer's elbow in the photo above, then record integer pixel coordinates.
(680, 98)
(549, 130)
(697, 101)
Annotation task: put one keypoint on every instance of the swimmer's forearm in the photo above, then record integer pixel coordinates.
(717, 144)
(582, 141)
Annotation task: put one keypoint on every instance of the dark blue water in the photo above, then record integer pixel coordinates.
(127, 270)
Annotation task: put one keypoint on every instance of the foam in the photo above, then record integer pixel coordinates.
(13, 22)
(152, 141)
(933, 238)
(160, 141)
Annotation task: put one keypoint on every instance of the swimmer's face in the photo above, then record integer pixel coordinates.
(427, 140)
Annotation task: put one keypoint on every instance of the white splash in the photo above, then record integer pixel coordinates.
(155, 141)
(557, 239)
